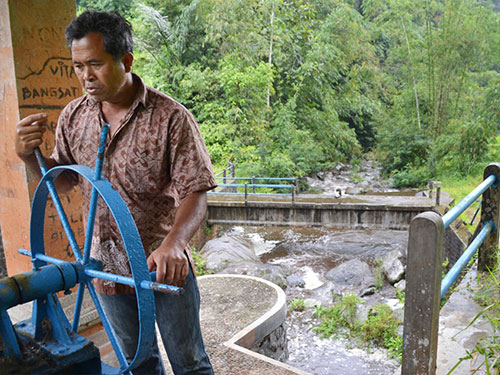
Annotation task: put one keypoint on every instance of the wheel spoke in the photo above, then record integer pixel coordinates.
(64, 220)
(78, 306)
(94, 197)
(107, 326)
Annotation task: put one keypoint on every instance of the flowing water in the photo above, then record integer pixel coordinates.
(310, 253)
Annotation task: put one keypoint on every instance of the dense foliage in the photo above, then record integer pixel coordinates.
(290, 87)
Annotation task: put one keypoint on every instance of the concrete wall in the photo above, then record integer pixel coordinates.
(378, 216)
(36, 75)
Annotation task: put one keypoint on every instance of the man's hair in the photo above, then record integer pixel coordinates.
(115, 30)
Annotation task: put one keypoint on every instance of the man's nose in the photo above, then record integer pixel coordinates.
(88, 74)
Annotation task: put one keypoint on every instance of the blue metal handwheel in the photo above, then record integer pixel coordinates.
(135, 252)
(84, 269)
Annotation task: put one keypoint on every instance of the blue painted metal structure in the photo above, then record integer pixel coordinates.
(487, 228)
(49, 331)
(222, 177)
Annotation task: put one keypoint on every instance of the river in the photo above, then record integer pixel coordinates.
(309, 253)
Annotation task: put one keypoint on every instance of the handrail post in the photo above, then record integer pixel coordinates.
(490, 212)
(246, 193)
(422, 296)
(224, 175)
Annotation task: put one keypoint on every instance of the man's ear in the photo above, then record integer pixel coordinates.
(127, 60)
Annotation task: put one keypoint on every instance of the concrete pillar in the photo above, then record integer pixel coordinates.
(422, 295)
(36, 75)
(490, 207)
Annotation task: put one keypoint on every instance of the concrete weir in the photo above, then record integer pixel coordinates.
(366, 211)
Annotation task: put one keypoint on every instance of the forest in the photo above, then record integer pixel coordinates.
(293, 87)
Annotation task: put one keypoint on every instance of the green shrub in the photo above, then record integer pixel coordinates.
(380, 329)
(200, 263)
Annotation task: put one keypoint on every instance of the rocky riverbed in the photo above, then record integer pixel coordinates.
(319, 266)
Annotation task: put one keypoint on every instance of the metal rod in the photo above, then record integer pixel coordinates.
(455, 212)
(59, 208)
(453, 273)
(78, 307)
(107, 326)
(475, 214)
(146, 284)
(43, 257)
(259, 185)
(266, 178)
(94, 197)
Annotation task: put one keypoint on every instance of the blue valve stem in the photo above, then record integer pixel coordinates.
(58, 205)
(94, 197)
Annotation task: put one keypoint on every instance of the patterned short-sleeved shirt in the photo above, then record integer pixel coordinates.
(155, 158)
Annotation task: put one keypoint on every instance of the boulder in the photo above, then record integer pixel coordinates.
(295, 281)
(269, 272)
(325, 295)
(392, 267)
(352, 276)
(400, 285)
(227, 249)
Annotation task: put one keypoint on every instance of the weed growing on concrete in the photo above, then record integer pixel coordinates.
(379, 329)
(297, 304)
(340, 316)
(400, 295)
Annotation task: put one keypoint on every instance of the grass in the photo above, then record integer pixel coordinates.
(200, 263)
(380, 329)
(459, 188)
(297, 304)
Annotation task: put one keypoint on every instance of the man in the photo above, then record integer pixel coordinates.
(158, 162)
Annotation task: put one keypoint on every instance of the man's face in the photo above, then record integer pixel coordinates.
(100, 75)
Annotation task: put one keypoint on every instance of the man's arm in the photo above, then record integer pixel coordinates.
(171, 263)
(29, 135)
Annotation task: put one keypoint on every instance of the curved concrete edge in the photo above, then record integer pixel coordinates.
(262, 327)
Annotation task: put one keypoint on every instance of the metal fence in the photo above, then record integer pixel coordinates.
(424, 287)
(229, 184)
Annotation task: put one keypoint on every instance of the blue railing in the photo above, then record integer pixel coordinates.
(228, 171)
(425, 287)
(488, 227)
(248, 185)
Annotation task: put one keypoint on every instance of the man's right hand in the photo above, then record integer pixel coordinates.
(29, 134)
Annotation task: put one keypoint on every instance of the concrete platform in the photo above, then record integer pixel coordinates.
(455, 335)
(236, 312)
